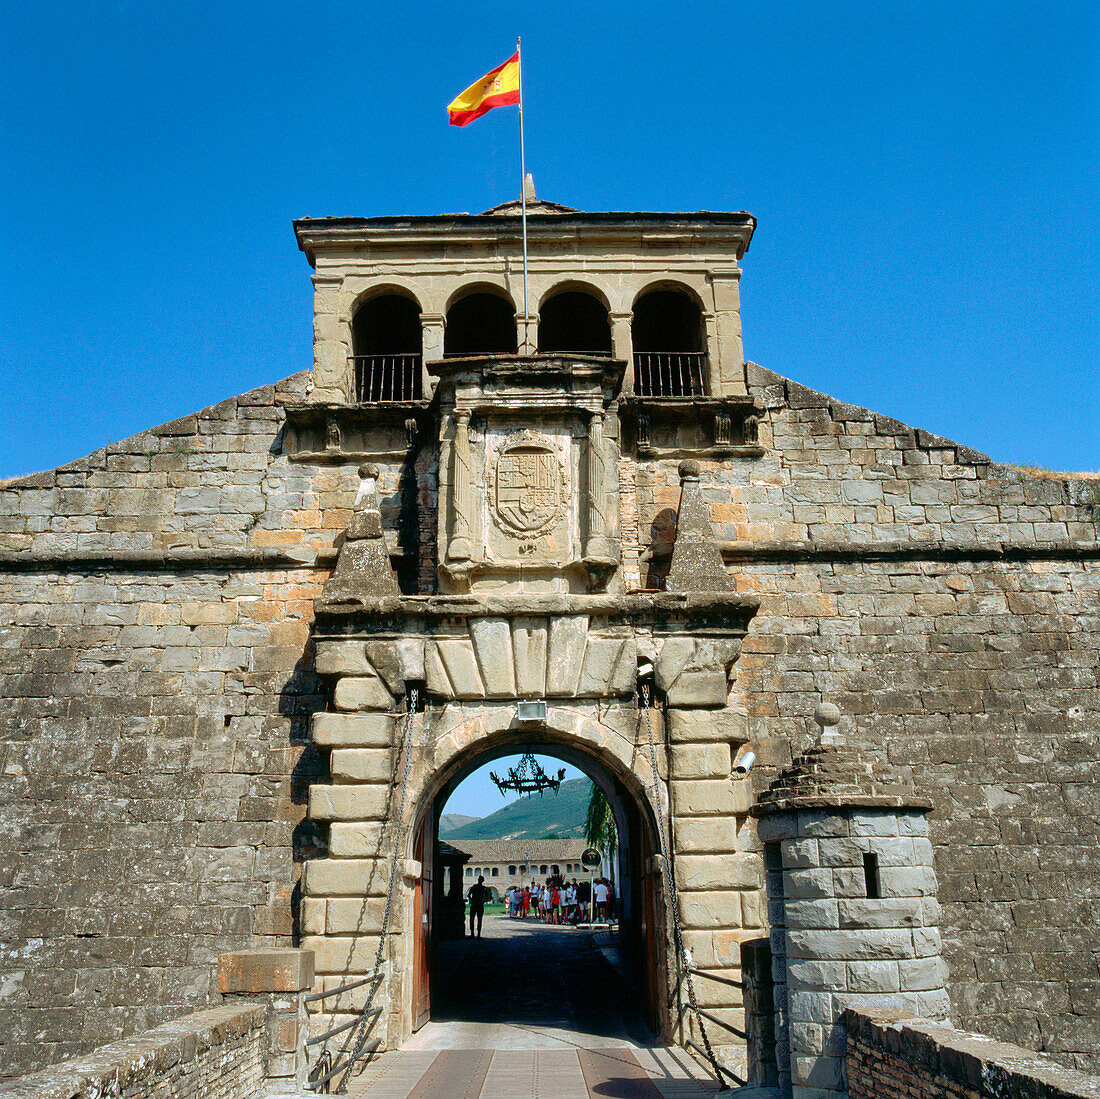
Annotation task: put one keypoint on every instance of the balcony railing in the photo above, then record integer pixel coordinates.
(386, 378)
(670, 373)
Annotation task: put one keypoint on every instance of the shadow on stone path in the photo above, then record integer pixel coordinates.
(525, 985)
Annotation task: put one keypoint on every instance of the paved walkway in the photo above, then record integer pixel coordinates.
(534, 1074)
(534, 1012)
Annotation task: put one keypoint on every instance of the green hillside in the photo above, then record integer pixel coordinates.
(534, 817)
(448, 822)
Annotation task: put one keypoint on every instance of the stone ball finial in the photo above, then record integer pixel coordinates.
(689, 468)
(826, 714)
(369, 469)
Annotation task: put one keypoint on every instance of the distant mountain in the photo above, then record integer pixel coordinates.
(535, 817)
(448, 822)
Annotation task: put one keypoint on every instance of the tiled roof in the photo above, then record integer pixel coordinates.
(447, 851)
(521, 851)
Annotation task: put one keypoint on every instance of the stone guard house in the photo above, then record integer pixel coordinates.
(248, 652)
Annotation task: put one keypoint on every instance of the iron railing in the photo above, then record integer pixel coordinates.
(386, 378)
(575, 351)
(670, 373)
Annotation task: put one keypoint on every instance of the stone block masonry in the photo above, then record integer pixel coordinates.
(994, 715)
(156, 662)
(215, 1054)
(962, 646)
(156, 600)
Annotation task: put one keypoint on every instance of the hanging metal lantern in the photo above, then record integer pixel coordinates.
(527, 777)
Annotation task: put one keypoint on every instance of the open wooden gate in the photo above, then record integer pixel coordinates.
(422, 925)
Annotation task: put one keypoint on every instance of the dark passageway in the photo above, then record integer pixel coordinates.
(528, 985)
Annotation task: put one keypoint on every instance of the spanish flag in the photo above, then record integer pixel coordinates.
(499, 88)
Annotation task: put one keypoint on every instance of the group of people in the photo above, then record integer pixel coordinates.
(560, 901)
(557, 901)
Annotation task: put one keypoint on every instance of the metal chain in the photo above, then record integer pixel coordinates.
(666, 858)
(357, 1038)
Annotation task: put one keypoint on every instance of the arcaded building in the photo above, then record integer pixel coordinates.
(248, 654)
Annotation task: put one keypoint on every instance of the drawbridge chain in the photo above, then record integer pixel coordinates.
(355, 1045)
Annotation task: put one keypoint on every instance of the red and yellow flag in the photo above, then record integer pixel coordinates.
(499, 88)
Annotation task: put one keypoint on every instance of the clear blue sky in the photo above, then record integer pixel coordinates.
(477, 794)
(925, 175)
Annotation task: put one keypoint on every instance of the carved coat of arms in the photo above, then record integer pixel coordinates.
(529, 486)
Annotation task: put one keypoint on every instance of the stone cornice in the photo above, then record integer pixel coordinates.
(724, 231)
(835, 776)
(732, 552)
(748, 552)
(715, 612)
(182, 560)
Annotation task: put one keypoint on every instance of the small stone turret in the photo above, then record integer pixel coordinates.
(852, 902)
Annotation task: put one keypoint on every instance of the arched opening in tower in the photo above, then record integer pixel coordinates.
(386, 345)
(480, 324)
(574, 321)
(669, 355)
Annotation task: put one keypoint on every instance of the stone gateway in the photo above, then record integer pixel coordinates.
(248, 654)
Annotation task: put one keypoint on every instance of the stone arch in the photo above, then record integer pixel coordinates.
(575, 317)
(675, 286)
(669, 338)
(473, 740)
(579, 286)
(545, 283)
(482, 285)
(606, 756)
(387, 346)
(402, 288)
(481, 319)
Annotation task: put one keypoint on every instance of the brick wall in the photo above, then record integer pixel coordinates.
(213, 1054)
(899, 1058)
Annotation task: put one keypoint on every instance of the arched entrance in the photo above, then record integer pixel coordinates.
(639, 941)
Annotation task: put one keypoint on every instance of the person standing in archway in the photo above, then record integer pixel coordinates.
(601, 894)
(478, 896)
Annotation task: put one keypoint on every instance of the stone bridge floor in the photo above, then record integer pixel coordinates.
(535, 1011)
(529, 985)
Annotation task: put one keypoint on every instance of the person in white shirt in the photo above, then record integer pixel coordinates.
(600, 894)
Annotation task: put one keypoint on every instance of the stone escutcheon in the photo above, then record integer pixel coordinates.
(529, 486)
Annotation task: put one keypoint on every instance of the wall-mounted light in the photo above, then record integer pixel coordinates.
(531, 712)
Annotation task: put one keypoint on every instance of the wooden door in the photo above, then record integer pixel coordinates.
(651, 943)
(422, 924)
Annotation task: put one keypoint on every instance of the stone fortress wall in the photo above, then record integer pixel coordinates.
(157, 600)
(156, 632)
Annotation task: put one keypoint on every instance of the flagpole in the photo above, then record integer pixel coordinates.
(523, 199)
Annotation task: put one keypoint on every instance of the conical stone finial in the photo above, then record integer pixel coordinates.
(697, 564)
(363, 569)
(529, 188)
